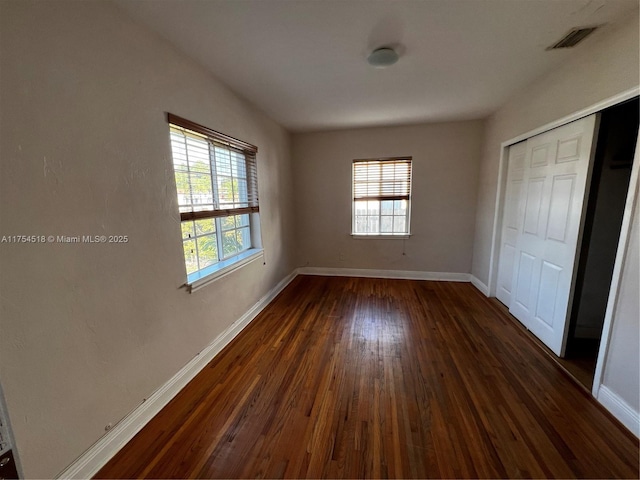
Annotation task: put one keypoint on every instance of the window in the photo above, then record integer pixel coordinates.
(216, 180)
(381, 196)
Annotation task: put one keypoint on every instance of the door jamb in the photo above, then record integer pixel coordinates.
(618, 270)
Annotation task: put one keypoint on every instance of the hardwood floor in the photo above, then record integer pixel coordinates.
(580, 364)
(371, 378)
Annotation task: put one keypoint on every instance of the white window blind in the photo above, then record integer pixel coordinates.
(216, 175)
(381, 196)
(217, 187)
(385, 179)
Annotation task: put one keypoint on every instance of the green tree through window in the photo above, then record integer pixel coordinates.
(217, 195)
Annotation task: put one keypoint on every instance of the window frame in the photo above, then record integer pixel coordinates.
(356, 196)
(216, 211)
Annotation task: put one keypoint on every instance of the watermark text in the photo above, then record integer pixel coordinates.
(64, 239)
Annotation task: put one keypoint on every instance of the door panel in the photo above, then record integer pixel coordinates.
(555, 174)
(524, 281)
(511, 209)
(540, 156)
(510, 221)
(560, 207)
(548, 293)
(533, 205)
(569, 149)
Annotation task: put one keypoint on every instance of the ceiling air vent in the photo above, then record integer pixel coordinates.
(572, 38)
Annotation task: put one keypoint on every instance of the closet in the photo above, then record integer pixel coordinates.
(546, 182)
(562, 214)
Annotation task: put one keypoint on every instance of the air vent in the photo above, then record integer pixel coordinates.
(573, 37)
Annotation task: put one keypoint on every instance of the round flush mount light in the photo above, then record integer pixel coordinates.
(383, 57)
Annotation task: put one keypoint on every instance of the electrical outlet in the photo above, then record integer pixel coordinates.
(341, 257)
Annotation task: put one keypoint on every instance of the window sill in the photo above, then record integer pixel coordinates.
(197, 280)
(375, 236)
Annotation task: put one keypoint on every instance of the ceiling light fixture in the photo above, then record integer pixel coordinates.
(383, 57)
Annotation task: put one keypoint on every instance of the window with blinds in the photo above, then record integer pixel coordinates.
(381, 196)
(217, 186)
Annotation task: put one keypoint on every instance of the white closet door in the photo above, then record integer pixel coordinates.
(510, 221)
(550, 210)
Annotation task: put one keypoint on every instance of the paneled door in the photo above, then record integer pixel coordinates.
(510, 221)
(552, 196)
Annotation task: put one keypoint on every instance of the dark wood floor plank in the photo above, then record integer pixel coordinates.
(372, 378)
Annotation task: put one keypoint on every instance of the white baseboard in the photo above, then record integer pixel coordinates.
(91, 461)
(480, 285)
(620, 409)
(371, 273)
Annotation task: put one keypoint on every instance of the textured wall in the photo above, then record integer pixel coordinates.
(88, 331)
(445, 170)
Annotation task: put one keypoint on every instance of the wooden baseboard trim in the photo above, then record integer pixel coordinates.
(372, 273)
(92, 460)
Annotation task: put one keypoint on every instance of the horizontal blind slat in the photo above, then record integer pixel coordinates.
(185, 216)
(221, 138)
(227, 165)
(383, 197)
(382, 179)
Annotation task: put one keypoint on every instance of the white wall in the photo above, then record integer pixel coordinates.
(445, 169)
(621, 372)
(606, 65)
(88, 331)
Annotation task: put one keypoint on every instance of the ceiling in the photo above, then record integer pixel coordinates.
(303, 62)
